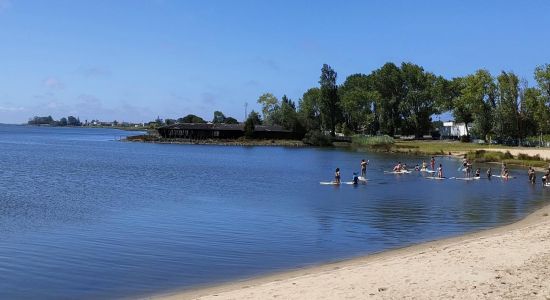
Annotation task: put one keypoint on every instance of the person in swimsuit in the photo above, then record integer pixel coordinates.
(355, 178)
(364, 168)
(432, 162)
(337, 176)
(489, 173)
(478, 172)
(424, 166)
(398, 167)
(440, 171)
(505, 173)
(532, 175)
(417, 167)
(545, 177)
(468, 169)
(502, 168)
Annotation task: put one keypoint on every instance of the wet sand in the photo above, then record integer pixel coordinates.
(509, 262)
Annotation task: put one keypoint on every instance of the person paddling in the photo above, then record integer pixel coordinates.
(337, 176)
(355, 178)
(489, 173)
(478, 173)
(424, 166)
(432, 162)
(440, 171)
(364, 167)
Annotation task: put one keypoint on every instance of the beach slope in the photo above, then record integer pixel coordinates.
(510, 262)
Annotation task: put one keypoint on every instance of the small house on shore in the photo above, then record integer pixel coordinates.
(453, 130)
(202, 131)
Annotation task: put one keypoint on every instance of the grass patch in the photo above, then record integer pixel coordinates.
(373, 142)
(482, 156)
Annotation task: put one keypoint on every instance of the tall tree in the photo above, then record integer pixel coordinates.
(388, 83)
(507, 110)
(476, 102)
(309, 111)
(270, 107)
(357, 96)
(329, 100)
(418, 103)
(219, 117)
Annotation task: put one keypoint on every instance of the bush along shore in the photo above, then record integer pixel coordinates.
(221, 142)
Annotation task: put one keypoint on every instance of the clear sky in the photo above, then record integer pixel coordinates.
(133, 60)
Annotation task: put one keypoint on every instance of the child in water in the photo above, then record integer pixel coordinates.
(355, 178)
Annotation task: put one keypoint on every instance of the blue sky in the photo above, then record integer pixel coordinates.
(133, 60)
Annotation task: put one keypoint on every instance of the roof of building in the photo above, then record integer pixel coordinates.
(222, 127)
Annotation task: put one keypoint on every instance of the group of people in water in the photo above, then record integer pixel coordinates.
(466, 168)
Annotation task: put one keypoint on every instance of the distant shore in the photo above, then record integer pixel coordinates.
(221, 142)
(511, 261)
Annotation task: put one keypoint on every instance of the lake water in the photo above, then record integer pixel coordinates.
(83, 216)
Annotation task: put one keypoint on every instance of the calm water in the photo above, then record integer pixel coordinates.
(83, 216)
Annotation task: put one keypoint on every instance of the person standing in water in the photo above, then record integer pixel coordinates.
(468, 169)
(364, 165)
(489, 173)
(337, 176)
(432, 162)
(478, 173)
(440, 171)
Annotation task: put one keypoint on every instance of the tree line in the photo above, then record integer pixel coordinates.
(401, 100)
(64, 121)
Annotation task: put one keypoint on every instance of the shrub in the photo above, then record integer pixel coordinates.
(375, 142)
(317, 138)
(465, 139)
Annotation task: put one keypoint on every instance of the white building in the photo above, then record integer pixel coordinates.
(454, 130)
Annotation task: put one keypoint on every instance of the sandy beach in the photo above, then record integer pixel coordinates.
(509, 262)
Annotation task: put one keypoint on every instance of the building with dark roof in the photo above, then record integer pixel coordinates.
(197, 131)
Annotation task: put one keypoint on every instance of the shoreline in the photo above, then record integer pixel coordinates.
(511, 260)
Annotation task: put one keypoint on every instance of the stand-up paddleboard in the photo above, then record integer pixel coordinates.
(436, 178)
(361, 178)
(503, 177)
(546, 184)
(397, 172)
(336, 183)
(427, 171)
(467, 178)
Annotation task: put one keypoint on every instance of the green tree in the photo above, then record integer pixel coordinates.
(356, 101)
(329, 100)
(507, 107)
(270, 107)
(476, 102)
(388, 82)
(219, 117)
(230, 120)
(72, 121)
(250, 124)
(542, 77)
(309, 111)
(418, 104)
(63, 121)
(191, 119)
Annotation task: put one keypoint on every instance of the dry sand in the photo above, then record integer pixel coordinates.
(509, 262)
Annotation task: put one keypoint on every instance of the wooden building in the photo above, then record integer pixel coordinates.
(196, 131)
